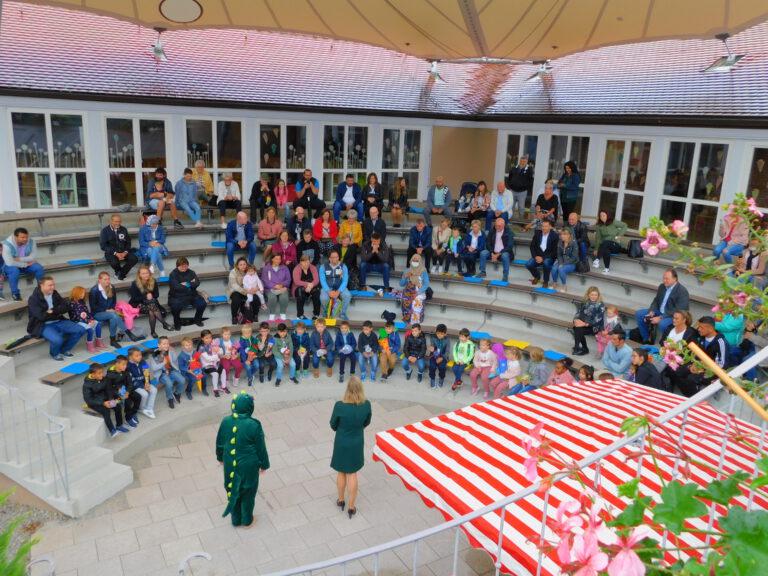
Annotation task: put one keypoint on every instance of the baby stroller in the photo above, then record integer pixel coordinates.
(461, 206)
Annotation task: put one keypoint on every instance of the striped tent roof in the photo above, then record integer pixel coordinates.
(464, 460)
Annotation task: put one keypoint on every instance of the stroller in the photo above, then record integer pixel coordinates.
(461, 205)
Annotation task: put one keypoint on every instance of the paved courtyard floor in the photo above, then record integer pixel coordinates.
(174, 508)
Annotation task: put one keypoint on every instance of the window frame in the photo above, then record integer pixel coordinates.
(213, 169)
(283, 170)
(400, 170)
(329, 172)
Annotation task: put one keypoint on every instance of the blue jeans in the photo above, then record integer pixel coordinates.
(728, 252)
(345, 296)
(560, 273)
(469, 259)
(62, 335)
(490, 218)
(251, 369)
(372, 363)
(434, 367)
(281, 366)
(339, 206)
(458, 370)
(191, 380)
(155, 255)
(520, 388)
(533, 268)
(583, 251)
(666, 321)
(420, 364)
(232, 247)
(116, 323)
(192, 209)
(485, 256)
(382, 269)
(13, 273)
(173, 382)
(352, 357)
(91, 332)
(328, 359)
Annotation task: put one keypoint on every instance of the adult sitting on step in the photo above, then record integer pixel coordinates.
(20, 256)
(152, 244)
(239, 236)
(334, 277)
(102, 300)
(143, 294)
(671, 296)
(48, 319)
(115, 242)
(499, 247)
(183, 285)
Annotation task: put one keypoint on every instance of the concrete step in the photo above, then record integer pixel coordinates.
(80, 465)
(93, 489)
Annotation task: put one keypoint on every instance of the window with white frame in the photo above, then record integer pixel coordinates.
(520, 145)
(400, 156)
(135, 148)
(625, 171)
(693, 184)
(218, 143)
(282, 152)
(345, 150)
(757, 187)
(49, 152)
(568, 148)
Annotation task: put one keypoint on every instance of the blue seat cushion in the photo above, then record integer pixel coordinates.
(150, 344)
(305, 321)
(473, 280)
(416, 210)
(500, 283)
(219, 244)
(362, 293)
(80, 262)
(76, 368)
(219, 298)
(552, 355)
(400, 325)
(545, 290)
(478, 335)
(104, 357)
(520, 262)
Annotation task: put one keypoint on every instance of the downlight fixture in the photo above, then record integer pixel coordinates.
(181, 11)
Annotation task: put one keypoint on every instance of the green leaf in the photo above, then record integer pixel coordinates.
(633, 424)
(746, 536)
(629, 489)
(695, 567)
(759, 482)
(678, 502)
(762, 464)
(633, 514)
(722, 491)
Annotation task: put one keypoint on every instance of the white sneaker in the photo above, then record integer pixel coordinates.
(151, 269)
(149, 413)
(223, 225)
(596, 263)
(283, 317)
(271, 317)
(114, 433)
(606, 270)
(199, 224)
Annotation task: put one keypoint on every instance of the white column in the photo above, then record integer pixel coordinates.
(594, 176)
(654, 183)
(250, 152)
(425, 162)
(97, 161)
(9, 193)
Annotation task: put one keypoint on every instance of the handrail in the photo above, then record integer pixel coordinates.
(42, 560)
(185, 561)
(585, 462)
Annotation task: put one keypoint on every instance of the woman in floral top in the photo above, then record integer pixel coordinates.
(588, 320)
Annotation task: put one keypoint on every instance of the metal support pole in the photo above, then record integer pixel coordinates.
(499, 548)
(543, 530)
(760, 446)
(455, 571)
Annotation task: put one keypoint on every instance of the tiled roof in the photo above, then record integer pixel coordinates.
(58, 51)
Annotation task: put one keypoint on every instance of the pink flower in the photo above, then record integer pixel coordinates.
(535, 446)
(752, 205)
(653, 243)
(586, 555)
(679, 228)
(740, 298)
(531, 469)
(627, 562)
(672, 358)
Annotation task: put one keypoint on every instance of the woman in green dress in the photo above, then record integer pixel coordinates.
(241, 448)
(350, 417)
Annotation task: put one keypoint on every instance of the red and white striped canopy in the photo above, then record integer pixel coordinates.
(464, 460)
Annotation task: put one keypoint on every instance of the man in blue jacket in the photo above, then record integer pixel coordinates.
(499, 246)
(334, 277)
(348, 196)
(239, 236)
(474, 244)
(420, 242)
(186, 197)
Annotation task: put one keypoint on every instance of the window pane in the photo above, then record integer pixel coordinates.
(199, 133)
(709, 176)
(229, 143)
(672, 210)
(357, 147)
(513, 152)
(580, 154)
(67, 133)
(608, 201)
(390, 150)
(237, 177)
(35, 190)
(120, 143)
(292, 177)
(122, 187)
(614, 157)
(333, 147)
(269, 142)
(557, 149)
(637, 170)
(412, 181)
(630, 212)
(412, 149)
(72, 190)
(679, 166)
(758, 177)
(30, 140)
(702, 223)
(152, 137)
(296, 148)
(388, 180)
(329, 183)
(530, 146)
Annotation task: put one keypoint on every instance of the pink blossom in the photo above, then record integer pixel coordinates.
(752, 205)
(716, 308)
(672, 358)
(679, 228)
(740, 298)
(627, 562)
(566, 522)
(531, 470)
(536, 448)
(586, 554)
(653, 243)
(599, 528)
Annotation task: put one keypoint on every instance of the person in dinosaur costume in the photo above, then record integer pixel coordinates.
(241, 448)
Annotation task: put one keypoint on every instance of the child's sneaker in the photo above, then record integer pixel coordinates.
(432, 383)
(456, 385)
(341, 378)
(440, 383)
(216, 393)
(250, 380)
(419, 377)
(226, 391)
(408, 375)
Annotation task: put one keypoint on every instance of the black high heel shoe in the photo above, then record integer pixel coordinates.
(351, 512)
(341, 504)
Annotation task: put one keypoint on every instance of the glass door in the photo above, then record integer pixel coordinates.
(625, 169)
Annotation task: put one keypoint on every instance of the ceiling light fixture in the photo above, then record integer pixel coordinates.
(544, 69)
(181, 11)
(724, 63)
(158, 51)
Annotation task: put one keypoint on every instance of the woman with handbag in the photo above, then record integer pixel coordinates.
(588, 320)
(143, 294)
(607, 239)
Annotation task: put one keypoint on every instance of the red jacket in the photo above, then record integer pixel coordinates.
(317, 230)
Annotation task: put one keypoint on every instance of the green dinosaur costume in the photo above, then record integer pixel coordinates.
(240, 446)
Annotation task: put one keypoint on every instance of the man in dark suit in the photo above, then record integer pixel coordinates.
(543, 253)
(115, 242)
(520, 181)
(48, 319)
(671, 296)
(298, 223)
(499, 246)
(374, 224)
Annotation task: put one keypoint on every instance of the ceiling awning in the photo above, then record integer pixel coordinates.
(524, 30)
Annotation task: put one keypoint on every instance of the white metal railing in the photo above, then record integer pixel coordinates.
(374, 553)
(32, 440)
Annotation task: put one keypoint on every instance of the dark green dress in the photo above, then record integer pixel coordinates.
(349, 421)
(241, 448)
